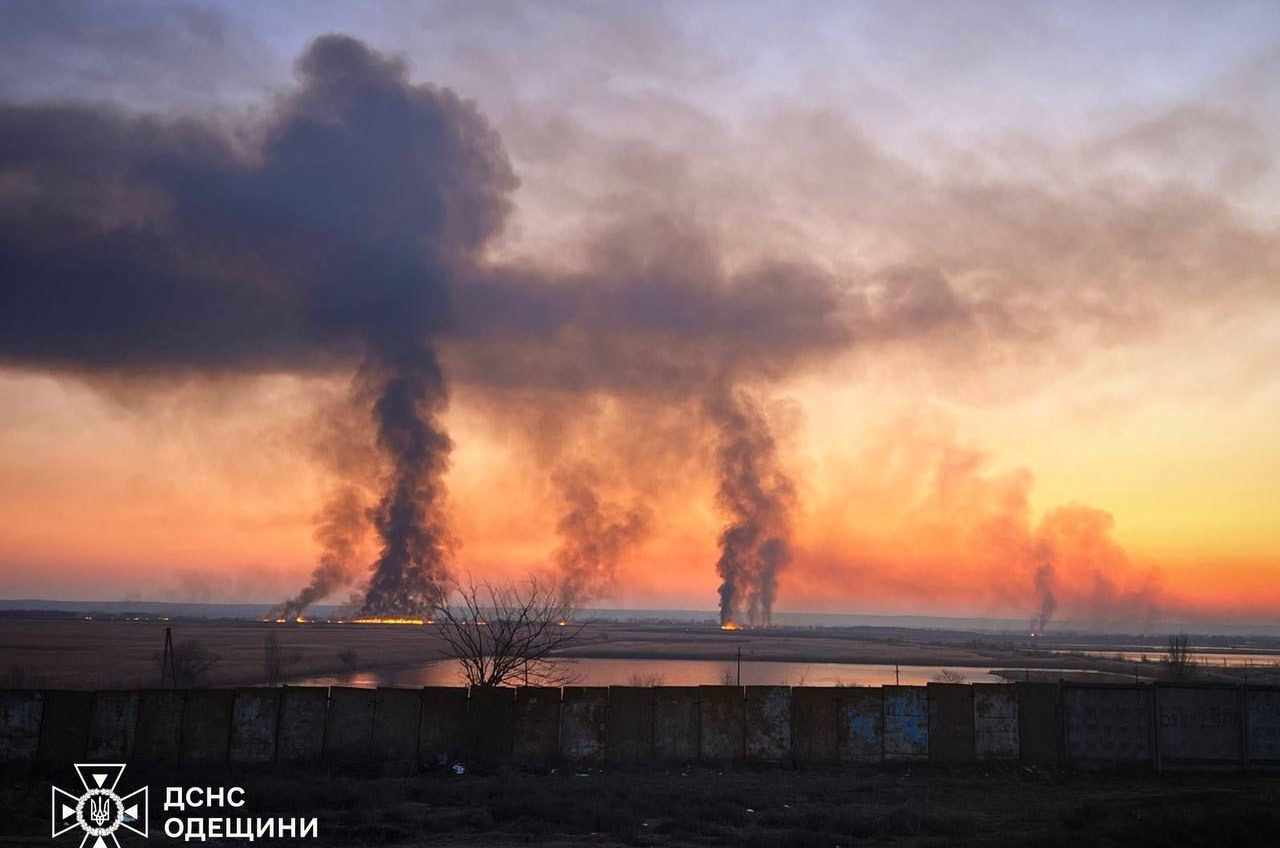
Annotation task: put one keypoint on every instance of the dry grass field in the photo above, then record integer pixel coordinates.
(105, 653)
(79, 653)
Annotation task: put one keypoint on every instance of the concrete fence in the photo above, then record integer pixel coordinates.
(1084, 726)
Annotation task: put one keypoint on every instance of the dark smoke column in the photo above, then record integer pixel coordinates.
(757, 497)
(409, 576)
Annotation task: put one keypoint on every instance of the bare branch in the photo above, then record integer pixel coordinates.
(507, 634)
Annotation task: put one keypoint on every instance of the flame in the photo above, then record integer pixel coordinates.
(731, 625)
(390, 621)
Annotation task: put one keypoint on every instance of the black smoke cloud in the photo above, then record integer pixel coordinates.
(330, 232)
(652, 309)
(344, 230)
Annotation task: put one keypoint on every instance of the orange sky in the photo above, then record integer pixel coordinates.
(201, 496)
(1057, 268)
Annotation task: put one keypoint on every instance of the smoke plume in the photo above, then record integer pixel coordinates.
(757, 498)
(913, 497)
(343, 228)
(594, 536)
(1044, 580)
(411, 570)
(331, 231)
(342, 525)
(1092, 573)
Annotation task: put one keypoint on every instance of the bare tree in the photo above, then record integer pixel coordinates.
(192, 661)
(949, 675)
(275, 661)
(504, 634)
(1178, 658)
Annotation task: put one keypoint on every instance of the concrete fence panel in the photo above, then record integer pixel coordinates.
(302, 724)
(206, 725)
(631, 720)
(906, 723)
(860, 728)
(584, 723)
(1107, 725)
(722, 716)
(442, 728)
(348, 726)
(1199, 726)
(254, 716)
(20, 712)
(768, 724)
(676, 724)
(813, 723)
(158, 737)
(64, 729)
(1039, 723)
(396, 721)
(537, 725)
(951, 723)
(112, 724)
(1094, 725)
(995, 721)
(1262, 726)
(490, 723)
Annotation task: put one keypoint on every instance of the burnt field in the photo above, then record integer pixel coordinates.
(926, 806)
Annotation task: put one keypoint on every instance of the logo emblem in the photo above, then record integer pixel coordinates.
(99, 811)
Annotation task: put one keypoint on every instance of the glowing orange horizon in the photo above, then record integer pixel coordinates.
(906, 520)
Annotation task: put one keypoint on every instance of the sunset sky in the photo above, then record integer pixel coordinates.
(1002, 282)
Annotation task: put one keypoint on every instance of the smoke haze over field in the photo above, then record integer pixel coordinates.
(595, 536)
(651, 310)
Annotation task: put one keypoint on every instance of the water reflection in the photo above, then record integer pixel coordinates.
(639, 672)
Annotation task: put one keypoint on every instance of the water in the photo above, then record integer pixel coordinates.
(1155, 655)
(642, 672)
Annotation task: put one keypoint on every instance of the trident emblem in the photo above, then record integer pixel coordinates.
(99, 809)
(99, 812)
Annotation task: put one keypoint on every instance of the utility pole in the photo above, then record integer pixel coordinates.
(897, 678)
(167, 668)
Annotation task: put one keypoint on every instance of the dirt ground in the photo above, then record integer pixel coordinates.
(925, 806)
